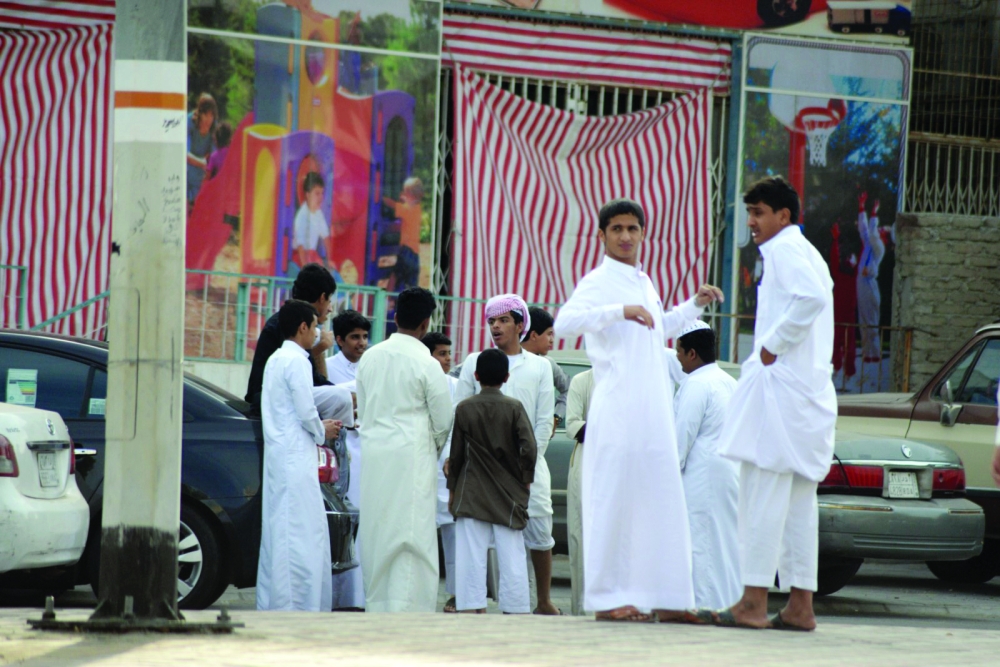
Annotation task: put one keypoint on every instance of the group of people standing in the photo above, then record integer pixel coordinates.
(683, 508)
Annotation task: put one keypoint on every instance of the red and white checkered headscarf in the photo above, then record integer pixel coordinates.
(505, 303)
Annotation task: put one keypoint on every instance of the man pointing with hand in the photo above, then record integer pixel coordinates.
(636, 542)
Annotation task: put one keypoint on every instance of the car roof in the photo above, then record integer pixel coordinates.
(92, 350)
(994, 326)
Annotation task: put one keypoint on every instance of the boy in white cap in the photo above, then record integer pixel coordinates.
(531, 383)
(711, 481)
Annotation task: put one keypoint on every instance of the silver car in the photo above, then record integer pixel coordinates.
(884, 498)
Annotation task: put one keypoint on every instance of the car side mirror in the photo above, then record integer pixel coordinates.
(949, 411)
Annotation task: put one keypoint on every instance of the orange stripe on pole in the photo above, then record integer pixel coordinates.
(131, 99)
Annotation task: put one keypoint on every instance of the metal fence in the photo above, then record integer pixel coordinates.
(946, 175)
(14, 288)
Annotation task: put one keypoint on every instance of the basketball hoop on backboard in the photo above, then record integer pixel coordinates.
(818, 124)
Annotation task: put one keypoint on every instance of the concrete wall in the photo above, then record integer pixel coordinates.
(231, 376)
(946, 285)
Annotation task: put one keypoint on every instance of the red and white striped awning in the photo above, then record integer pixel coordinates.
(54, 14)
(593, 55)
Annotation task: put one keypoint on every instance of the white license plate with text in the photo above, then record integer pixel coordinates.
(903, 485)
(48, 476)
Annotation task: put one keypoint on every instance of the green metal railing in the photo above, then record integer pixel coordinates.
(20, 274)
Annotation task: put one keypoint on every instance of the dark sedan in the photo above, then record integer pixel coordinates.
(219, 538)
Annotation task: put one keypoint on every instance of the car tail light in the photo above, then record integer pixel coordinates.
(864, 477)
(949, 479)
(72, 457)
(328, 472)
(8, 460)
(836, 476)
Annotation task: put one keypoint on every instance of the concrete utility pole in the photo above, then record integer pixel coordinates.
(142, 469)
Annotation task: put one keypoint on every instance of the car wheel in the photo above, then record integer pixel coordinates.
(976, 570)
(777, 13)
(200, 580)
(834, 575)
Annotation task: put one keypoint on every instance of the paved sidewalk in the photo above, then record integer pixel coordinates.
(437, 639)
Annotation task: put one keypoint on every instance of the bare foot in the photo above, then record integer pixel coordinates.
(626, 614)
(799, 620)
(547, 609)
(743, 615)
(694, 617)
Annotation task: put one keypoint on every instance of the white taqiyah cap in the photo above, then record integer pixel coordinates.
(694, 326)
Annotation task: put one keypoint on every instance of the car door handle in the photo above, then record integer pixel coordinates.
(82, 451)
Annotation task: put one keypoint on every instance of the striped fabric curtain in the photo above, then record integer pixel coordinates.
(529, 180)
(55, 159)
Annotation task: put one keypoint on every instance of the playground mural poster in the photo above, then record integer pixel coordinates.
(865, 19)
(311, 138)
(837, 132)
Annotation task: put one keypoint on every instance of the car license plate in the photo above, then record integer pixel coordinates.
(47, 474)
(903, 485)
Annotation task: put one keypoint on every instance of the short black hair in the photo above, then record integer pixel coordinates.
(291, 316)
(620, 207)
(435, 338)
(313, 282)
(541, 320)
(777, 193)
(413, 306)
(349, 320)
(492, 367)
(702, 341)
(313, 179)
(223, 134)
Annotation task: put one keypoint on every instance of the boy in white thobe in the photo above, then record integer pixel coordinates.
(636, 544)
(293, 572)
(531, 383)
(405, 412)
(781, 419)
(577, 404)
(350, 331)
(440, 349)
(711, 482)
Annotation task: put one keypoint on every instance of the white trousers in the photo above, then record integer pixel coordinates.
(574, 528)
(779, 529)
(472, 542)
(448, 545)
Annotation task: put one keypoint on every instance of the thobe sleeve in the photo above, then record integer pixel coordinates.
(439, 406)
(674, 368)
(587, 312)
(809, 292)
(562, 387)
(678, 317)
(576, 406)
(458, 447)
(526, 446)
(298, 378)
(691, 404)
(544, 408)
(466, 386)
(359, 392)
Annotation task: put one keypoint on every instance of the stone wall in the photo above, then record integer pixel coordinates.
(946, 285)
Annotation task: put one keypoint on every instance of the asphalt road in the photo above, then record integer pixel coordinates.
(881, 593)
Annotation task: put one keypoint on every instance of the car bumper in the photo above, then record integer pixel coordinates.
(41, 532)
(920, 530)
(342, 519)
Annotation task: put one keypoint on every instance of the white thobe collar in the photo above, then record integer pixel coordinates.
(622, 268)
(408, 340)
(292, 345)
(768, 246)
(705, 368)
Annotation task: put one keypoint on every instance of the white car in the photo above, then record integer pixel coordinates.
(43, 517)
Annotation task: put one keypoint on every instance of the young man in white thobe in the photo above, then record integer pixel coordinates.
(293, 573)
(405, 412)
(350, 330)
(636, 544)
(581, 387)
(531, 383)
(440, 348)
(711, 481)
(540, 339)
(781, 419)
